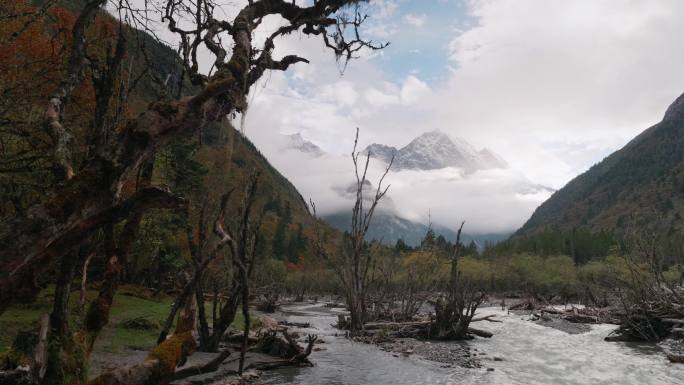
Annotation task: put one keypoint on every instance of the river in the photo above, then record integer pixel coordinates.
(531, 353)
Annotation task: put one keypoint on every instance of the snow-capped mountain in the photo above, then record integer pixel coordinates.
(297, 142)
(435, 150)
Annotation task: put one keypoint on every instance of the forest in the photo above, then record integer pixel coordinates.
(142, 229)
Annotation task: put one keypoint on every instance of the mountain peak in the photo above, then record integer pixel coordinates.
(435, 150)
(380, 151)
(297, 142)
(436, 134)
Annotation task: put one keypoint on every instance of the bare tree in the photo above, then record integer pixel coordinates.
(90, 195)
(455, 310)
(353, 263)
(652, 307)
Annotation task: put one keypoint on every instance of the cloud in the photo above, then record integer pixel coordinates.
(552, 86)
(492, 201)
(385, 8)
(589, 75)
(415, 20)
(413, 90)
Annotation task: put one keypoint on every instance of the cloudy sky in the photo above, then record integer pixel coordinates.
(552, 86)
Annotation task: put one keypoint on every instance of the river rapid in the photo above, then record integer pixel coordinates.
(521, 352)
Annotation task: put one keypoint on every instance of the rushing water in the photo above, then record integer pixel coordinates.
(532, 354)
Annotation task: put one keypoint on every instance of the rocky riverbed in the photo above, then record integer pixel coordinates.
(520, 352)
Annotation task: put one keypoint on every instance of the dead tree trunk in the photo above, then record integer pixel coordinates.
(354, 264)
(242, 242)
(455, 311)
(92, 195)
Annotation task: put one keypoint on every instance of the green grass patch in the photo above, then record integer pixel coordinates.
(130, 303)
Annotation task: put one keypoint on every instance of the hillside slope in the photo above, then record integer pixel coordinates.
(199, 170)
(641, 183)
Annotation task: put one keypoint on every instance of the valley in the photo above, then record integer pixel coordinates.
(341, 192)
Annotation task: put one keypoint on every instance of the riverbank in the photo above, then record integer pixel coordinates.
(520, 352)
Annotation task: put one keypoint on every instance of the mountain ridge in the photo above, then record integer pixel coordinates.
(434, 150)
(643, 182)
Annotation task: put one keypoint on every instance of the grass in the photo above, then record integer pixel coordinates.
(116, 337)
(127, 305)
(130, 303)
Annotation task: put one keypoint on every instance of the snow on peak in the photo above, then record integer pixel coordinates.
(435, 150)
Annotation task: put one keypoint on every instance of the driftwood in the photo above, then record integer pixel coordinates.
(652, 320)
(527, 305)
(295, 324)
(160, 364)
(480, 333)
(676, 358)
(287, 348)
(395, 325)
(587, 315)
(420, 329)
(209, 367)
(489, 318)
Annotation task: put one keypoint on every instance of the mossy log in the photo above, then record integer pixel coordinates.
(160, 364)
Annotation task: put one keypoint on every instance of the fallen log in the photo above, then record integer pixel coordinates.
(528, 305)
(209, 367)
(295, 324)
(395, 325)
(160, 364)
(676, 358)
(551, 310)
(488, 318)
(480, 333)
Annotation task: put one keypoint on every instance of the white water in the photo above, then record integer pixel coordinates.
(532, 354)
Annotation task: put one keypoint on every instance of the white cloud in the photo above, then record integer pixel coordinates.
(415, 20)
(550, 85)
(413, 90)
(590, 74)
(385, 8)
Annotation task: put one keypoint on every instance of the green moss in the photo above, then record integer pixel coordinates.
(172, 351)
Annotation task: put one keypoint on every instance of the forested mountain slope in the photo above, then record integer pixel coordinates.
(199, 168)
(642, 183)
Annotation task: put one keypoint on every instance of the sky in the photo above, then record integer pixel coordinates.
(552, 86)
